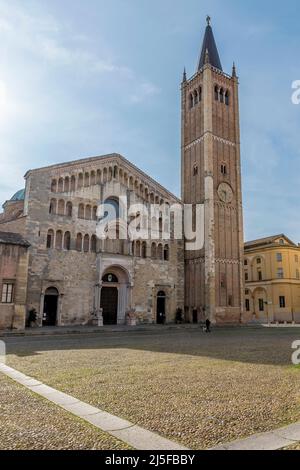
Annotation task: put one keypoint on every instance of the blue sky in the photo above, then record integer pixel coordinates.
(84, 78)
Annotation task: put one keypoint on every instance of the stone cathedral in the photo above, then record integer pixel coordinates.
(56, 270)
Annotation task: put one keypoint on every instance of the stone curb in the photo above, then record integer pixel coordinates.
(273, 440)
(134, 435)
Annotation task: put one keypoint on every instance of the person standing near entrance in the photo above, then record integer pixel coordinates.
(208, 325)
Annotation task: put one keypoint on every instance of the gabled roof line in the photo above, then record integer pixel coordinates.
(112, 156)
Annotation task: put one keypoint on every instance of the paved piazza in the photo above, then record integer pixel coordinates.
(197, 389)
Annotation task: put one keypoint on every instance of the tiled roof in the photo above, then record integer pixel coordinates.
(268, 241)
(9, 238)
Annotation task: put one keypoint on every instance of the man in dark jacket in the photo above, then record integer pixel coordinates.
(208, 323)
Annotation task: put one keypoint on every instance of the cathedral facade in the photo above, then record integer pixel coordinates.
(79, 274)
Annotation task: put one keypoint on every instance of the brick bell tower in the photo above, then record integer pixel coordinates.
(211, 175)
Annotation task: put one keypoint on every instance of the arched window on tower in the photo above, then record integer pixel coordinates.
(166, 253)
(191, 100)
(216, 93)
(224, 169)
(200, 94)
(222, 95)
(195, 97)
(227, 98)
(153, 251)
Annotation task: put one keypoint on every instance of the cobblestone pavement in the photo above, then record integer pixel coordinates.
(29, 422)
(194, 388)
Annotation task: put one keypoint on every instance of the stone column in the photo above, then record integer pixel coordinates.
(59, 309)
(41, 313)
(99, 310)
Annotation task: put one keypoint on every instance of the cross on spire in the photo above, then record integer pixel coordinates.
(208, 20)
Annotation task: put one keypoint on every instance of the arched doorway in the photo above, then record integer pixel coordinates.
(114, 295)
(161, 308)
(50, 307)
(109, 299)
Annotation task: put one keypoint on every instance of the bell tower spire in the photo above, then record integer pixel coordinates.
(209, 45)
(211, 178)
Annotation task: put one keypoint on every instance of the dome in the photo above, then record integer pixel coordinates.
(19, 196)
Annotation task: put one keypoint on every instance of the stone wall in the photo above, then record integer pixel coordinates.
(13, 269)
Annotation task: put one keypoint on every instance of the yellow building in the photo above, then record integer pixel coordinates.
(272, 280)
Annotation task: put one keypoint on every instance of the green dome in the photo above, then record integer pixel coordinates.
(19, 196)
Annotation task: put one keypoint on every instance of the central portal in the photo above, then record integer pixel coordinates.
(109, 304)
(114, 299)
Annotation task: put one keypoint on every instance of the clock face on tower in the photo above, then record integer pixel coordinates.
(225, 193)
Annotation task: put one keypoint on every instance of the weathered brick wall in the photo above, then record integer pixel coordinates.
(13, 268)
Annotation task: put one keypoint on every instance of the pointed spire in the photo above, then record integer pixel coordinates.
(209, 44)
(184, 75)
(234, 71)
